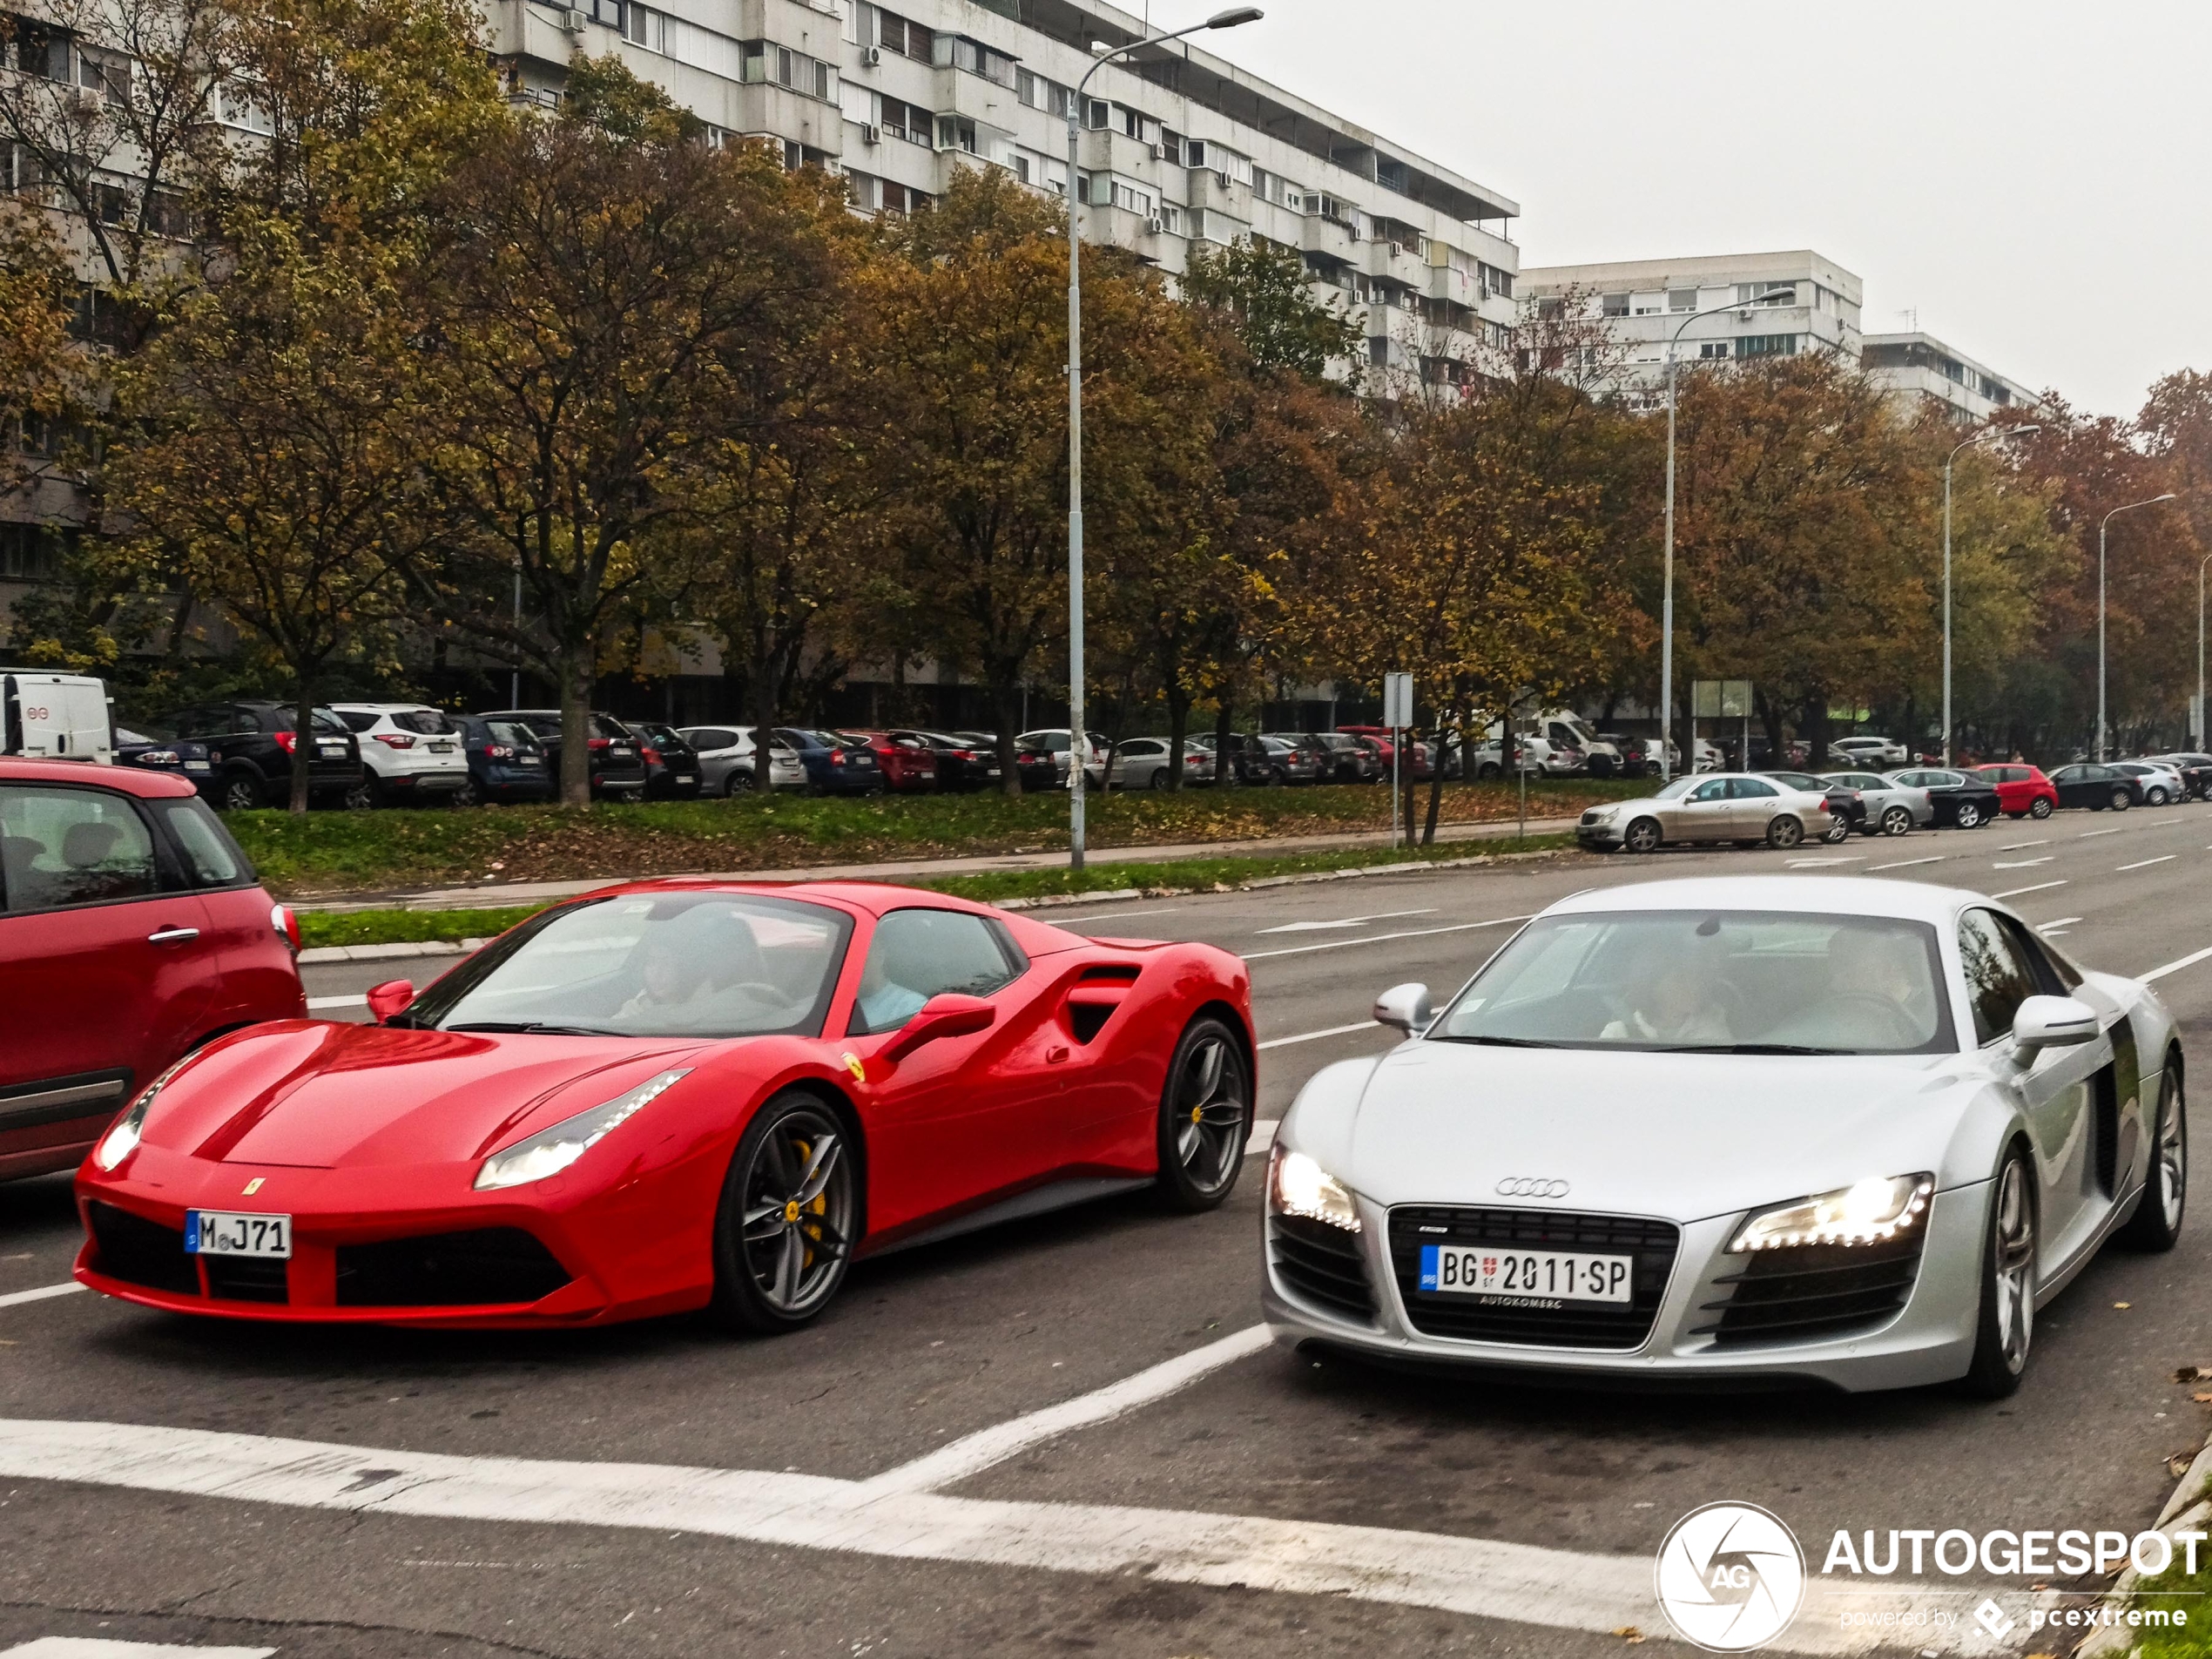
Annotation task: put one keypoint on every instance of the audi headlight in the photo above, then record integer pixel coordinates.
(1298, 1186)
(1867, 1212)
(121, 1138)
(551, 1150)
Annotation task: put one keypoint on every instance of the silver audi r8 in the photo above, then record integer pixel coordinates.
(1733, 1131)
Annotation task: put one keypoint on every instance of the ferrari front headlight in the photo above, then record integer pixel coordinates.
(551, 1150)
(1867, 1212)
(1298, 1186)
(121, 1138)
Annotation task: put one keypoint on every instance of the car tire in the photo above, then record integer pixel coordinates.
(2121, 800)
(1966, 815)
(2004, 1332)
(1159, 779)
(1488, 770)
(788, 1269)
(1205, 1117)
(1642, 836)
(359, 796)
(240, 792)
(2156, 1224)
(1278, 777)
(1837, 832)
(467, 795)
(1785, 831)
(737, 781)
(2039, 808)
(2155, 796)
(1897, 820)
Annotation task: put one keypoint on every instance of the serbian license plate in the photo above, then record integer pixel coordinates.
(332, 751)
(442, 747)
(1534, 1276)
(223, 1233)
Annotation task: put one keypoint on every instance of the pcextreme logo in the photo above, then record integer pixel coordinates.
(1729, 1577)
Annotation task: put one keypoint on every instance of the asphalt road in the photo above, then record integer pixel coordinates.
(938, 1344)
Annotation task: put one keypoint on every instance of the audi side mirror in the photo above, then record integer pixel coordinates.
(387, 1001)
(2052, 1022)
(1405, 1007)
(946, 1014)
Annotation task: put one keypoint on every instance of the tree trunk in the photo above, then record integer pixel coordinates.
(1444, 724)
(1223, 771)
(761, 694)
(1178, 724)
(303, 744)
(577, 664)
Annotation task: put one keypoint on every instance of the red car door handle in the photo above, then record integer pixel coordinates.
(172, 935)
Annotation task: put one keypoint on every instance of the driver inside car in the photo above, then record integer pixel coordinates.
(1668, 1001)
(705, 971)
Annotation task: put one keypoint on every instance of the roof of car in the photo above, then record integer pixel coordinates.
(1812, 894)
(131, 780)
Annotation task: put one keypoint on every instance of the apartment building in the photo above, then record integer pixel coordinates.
(1720, 308)
(1178, 148)
(1919, 367)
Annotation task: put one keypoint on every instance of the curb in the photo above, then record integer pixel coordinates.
(2188, 1509)
(396, 953)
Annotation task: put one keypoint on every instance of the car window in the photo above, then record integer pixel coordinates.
(1998, 977)
(603, 725)
(711, 736)
(1716, 789)
(211, 859)
(1143, 747)
(69, 846)
(431, 723)
(1751, 789)
(917, 954)
(358, 720)
(516, 734)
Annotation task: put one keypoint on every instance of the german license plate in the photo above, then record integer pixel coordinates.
(224, 1233)
(1538, 1276)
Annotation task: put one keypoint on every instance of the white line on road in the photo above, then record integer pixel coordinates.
(2062, 922)
(39, 1295)
(1110, 915)
(2145, 863)
(1378, 939)
(1314, 1036)
(2021, 864)
(2089, 834)
(1906, 864)
(1477, 1577)
(2189, 961)
(1814, 864)
(1262, 1135)
(2015, 892)
(359, 1000)
(102, 1648)
(2016, 847)
(1348, 922)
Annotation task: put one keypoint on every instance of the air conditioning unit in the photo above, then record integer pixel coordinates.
(1397, 250)
(1156, 225)
(1221, 179)
(86, 100)
(871, 133)
(1159, 153)
(871, 56)
(574, 22)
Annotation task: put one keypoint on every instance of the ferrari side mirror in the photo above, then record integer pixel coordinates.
(392, 997)
(948, 1015)
(1404, 1007)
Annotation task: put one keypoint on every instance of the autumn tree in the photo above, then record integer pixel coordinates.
(44, 376)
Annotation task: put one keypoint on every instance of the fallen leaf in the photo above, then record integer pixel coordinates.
(1629, 1634)
(2202, 1400)
(2123, 1304)
(2178, 1464)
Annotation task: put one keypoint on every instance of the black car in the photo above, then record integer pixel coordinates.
(249, 752)
(1340, 759)
(1961, 799)
(617, 769)
(2097, 787)
(966, 760)
(2195, 770)
(834, 767)
(672, 765)
(1846, 806)
(158, 752)
(506, 761)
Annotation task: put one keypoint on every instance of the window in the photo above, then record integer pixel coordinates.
(109, 73)
(1751, 789)
(917, 954)
(956, 133)
(211, 859)
(31, 552)
(959, 53)
(1747, 293)
(642, 26)
(1766, 346)
(1617, 305)
(905, 121)
(1998, 977)
(1713, 348)
(1682, 299)
(71, 846)
(908, 39)
(38, 49)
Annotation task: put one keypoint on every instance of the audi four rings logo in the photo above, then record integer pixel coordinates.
(1523, 1186)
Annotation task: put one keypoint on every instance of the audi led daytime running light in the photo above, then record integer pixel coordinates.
(1298, 1186)
(122, 1140)
(551, 1150)
(1871, 1211)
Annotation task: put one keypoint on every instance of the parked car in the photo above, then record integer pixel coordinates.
(249, 744)
(672, 765)
(1566, 731)
(1054, 742)
(1961, 799)
(2022, 791)
(1249, 758)
(506, 761)
(1287, 760)
(187, 760)
(2195, 770)
(1139, 763)
(908, 763)
(1378, 743)
(833, 765)
(2087, 783)
(1872, 752)
(729, 765)
(1731, 806)
(1846, 806)
(1706, 756)
(616, 769)
(1639, 755)
(1887, 808)
(965, 762)
(132, 930)
(2161, 783)
(410, 750)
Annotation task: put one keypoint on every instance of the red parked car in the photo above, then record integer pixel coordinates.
(2022, 791)
(675, 1095)
(905, 761)
(131, 931)
(1378, 739)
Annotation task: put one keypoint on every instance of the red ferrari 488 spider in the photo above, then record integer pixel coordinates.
(673, 1095)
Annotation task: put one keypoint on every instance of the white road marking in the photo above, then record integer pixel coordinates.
(1378, 939)
(1262, 1134)
(1814, 864)
(1311, 1037)
(1110, 915)
(2015, 892)
(315, 1002)
(101, 1648)
(1906, 864)
(2145, 863)
(1348, 922)
(2061, 922)
(2189, 961)
(2088, 834)
(1478, 1577)
(973, 1454)
(2021, 864)
(2015, 847)
(39, 1294)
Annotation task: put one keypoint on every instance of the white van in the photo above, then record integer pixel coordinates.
(45, 715)
(1563, 731)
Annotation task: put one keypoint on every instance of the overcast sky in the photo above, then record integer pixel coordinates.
(2034, 178)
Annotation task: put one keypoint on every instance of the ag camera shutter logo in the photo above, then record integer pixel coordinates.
(1729, 1577)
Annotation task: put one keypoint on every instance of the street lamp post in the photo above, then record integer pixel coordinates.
(2196, 737)
(1667, 598)
(2101, 523)
(1947, 460)
(1078, 738)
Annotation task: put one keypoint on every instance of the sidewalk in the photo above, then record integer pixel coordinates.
(492, 893)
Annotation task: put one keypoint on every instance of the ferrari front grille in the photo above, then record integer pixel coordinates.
(246, 1278)
(482, 1267)
(1570, 1324)
(139, 1251)
(1814, 1291)
(1321, 1263)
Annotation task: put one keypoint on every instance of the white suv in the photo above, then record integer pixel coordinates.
(412, 751)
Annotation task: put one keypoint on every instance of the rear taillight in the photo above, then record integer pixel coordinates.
(963, 754)
(498, 752)
(287, 925)
(837, 757)
(285, 740)
(651, 754)
(394, 739)
(597, 743)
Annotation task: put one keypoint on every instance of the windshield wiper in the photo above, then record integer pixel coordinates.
(1748, 1048)
(1502, 1042)
(534, 1027)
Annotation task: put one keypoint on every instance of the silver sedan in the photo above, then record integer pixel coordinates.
(1726, 1130)
(1892, 808)
(1715, 806)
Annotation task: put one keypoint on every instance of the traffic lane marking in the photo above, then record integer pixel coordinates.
(2176, 965)
(1380, 939)
(15, 1298)
(2015, 892)
(102, 1648)
(1476, 1577)
(2091, 834)
(1315, 1036)
(1075, 924)
(1906, 864)
(2144, 864)
(2021, 864)
(359, 1001)
(2022, 847)
(1348, 922)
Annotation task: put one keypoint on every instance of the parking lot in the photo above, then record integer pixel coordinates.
(1063, 1435)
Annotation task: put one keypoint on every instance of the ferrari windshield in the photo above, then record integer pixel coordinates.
(1710, 981)
(653, 965)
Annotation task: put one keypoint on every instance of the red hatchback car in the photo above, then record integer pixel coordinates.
(131, 931)
(2022, 791)
(907, 762)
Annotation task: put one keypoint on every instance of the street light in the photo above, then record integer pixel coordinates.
(2101, 523)
(1078, 738)
(1947, 460)
(2197, 736)
(1743, 309)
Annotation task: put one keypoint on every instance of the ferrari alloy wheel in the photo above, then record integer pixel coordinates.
(1785, 831)
(1896, 821)
(2007, 1328)
(1642, 836)
(1205, 1117)
(2156, 1223)
(2039, 807)
(784, 1235)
